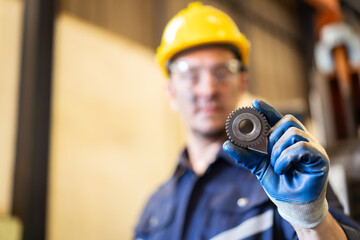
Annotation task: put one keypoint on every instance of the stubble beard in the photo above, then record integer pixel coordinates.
(213, 135)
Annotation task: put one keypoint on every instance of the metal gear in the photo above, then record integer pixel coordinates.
(247, 127)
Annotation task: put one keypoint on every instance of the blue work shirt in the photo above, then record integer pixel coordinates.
(227, 202)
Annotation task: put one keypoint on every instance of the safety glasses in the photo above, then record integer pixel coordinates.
(189, 76)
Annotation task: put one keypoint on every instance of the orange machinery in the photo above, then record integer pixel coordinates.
(344, 78)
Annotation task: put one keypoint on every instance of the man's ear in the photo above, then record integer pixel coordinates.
(171, 94)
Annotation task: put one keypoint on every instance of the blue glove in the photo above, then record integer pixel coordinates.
(294, 173)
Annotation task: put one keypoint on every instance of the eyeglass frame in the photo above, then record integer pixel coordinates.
(182, 67)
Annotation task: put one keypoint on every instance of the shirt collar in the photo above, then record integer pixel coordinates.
(221, 156)
(184, 159)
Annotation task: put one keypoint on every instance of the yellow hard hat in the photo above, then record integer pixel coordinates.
(200, 25)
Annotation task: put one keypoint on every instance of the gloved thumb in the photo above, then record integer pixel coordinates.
(252, 160)
(271, 114)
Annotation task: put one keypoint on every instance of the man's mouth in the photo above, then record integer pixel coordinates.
(209, 109)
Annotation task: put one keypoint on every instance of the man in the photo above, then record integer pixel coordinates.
(210, 196)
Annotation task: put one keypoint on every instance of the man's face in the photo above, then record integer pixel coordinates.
(204, 87)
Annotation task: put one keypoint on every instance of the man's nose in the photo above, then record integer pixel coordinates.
(207, 84)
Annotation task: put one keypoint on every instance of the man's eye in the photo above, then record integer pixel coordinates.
(221, 72)
(190, 75)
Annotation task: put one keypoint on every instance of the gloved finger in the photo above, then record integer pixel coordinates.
(271, 114)
(254, 161)
(281, 127)
(283, 143)
(304, 158)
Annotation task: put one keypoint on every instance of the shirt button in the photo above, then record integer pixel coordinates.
(154, 221)
(242, 202)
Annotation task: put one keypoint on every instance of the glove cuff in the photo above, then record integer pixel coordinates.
(304, 215)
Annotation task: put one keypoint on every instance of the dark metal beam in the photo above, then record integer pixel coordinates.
(31, 164)
(354, 4)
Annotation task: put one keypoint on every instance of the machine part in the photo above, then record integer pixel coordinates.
(247, 127)
(199, 25)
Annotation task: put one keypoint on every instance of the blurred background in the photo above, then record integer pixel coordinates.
(86, 133)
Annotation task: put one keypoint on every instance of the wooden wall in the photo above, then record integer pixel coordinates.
(10, 46)
(114, 138)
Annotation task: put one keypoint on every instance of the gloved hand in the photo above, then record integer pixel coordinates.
(295, 171)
